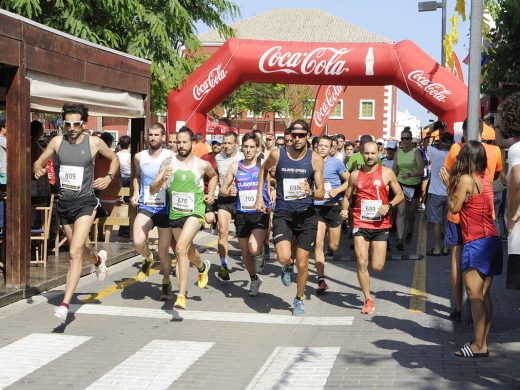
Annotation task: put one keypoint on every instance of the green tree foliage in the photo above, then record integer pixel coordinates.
(157, 30)
(501, 76)
(287, 101)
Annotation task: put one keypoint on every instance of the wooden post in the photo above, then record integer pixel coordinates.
(18, 210)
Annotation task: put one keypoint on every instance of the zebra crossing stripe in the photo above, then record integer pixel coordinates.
(155, 366)
(26, 355)
(259, 318)
(295, 368)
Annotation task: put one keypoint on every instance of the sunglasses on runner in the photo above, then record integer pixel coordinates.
(299, 135)
(69, 124)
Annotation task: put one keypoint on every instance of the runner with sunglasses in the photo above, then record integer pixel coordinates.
(298, 171)
(77, 204)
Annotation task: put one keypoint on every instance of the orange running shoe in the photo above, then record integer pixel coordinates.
(369, 307)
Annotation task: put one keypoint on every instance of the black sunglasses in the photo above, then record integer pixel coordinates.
(298, 135)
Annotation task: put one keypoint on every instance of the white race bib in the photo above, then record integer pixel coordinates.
(183, 202)
(370, 210)
(292, 189)
(247, 199)
(156, 200)
(71, 177)
(328, 187)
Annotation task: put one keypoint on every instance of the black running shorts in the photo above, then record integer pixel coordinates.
(70, 210)
(245, 223)
(302, 225)
(330, 215)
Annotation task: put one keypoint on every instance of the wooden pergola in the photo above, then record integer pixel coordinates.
(28, 51)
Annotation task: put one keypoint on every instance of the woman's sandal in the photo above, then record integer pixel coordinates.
(466, 352)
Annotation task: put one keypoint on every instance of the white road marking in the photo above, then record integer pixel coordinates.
(155, 366)
(295, 368)
(258, 318)
(26, 355)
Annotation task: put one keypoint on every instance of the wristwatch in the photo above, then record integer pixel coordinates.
(390, 205)
(110, 176)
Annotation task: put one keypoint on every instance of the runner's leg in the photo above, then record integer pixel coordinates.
(224, 219)
(184, 238)
(302, 265)
(361, 246)
(243, 242)
(77, 235)
(318, 252)
(142, 226)
(164, 253)
(378, 255)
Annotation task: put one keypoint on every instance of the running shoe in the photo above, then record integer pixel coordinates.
(60, 313)
(254, 287)
(298, 309)
(287, 275)
(166, 291)
(203, 276)
(259, 262)
(146, 266)
(101, 269)
(369, 307)
(180, 302)
(223, 272)
(322, 287)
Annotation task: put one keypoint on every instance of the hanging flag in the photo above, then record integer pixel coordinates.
(457, 69)
(326, 101)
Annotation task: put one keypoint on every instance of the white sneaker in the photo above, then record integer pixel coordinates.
(60, 313)
(254, 288)
(101, 269)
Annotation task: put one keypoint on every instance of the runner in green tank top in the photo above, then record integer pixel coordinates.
(183, 176)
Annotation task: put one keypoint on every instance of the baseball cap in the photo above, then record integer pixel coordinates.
(269, 136)
(217, 139)
(391, 144)
(380, 141)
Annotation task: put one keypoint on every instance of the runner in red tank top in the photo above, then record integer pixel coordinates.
(371, 215)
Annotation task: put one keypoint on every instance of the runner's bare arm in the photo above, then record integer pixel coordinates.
(391, 180)
(269, 163)
(165, 172)
(136, 180)
(101, 147)
(345, 204)
(230, 176)
(317, 166)
(212, 184)
(513, 198)
(39, 166)
(457, 198)
(343, 187)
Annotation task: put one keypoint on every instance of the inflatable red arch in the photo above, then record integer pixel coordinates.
(238, 61)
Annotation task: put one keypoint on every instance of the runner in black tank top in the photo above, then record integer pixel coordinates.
(77, 204)
(298, 169)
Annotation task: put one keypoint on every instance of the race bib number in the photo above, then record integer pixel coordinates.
(156, 200)
(247, 199)
(328, 187)
(71, 178)
(292, 189)
(370, 210)
(183, 202)
(408, 192)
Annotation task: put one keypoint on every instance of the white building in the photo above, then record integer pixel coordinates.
(404, 119)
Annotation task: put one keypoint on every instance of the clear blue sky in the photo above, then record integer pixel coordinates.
(393, 19)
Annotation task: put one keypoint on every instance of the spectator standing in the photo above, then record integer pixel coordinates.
(125, 165)
(200, 147)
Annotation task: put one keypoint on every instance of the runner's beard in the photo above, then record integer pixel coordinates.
(156, 146)
(183, 152)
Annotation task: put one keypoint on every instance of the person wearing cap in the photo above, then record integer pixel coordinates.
(390, 149)
(381, 147)
(437, 205)
(269, 142)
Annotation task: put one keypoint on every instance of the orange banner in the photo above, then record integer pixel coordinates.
(326, 101)
(457, 69)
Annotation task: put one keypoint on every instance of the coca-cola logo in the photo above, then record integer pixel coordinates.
(322, 60)
(215, 76)
(437, 90)
(332, 94)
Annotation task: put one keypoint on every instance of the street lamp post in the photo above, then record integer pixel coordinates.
(427, 6)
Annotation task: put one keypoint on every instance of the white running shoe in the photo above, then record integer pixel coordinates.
(60, 313)
(101, 269)
(254, 287)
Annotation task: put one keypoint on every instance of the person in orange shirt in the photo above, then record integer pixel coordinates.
(200, 147)
(453, 235)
